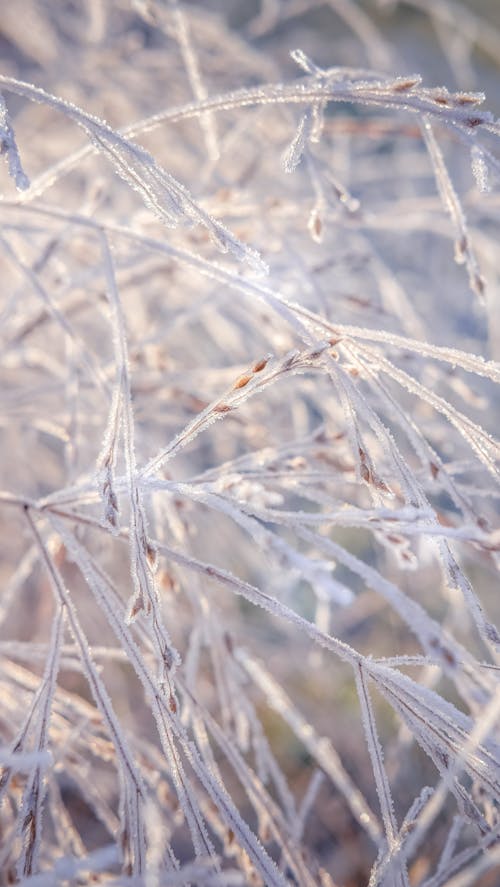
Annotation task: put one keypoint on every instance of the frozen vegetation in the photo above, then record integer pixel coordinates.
(249, 495)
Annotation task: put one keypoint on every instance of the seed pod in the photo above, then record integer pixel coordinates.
(241, 382)
(260, 365)
(404, 84)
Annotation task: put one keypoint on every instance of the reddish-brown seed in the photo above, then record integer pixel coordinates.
(138, 606)
(260, 365)
(242, 381)
(317, 226)
(404, 85)
(365, 473)
(465, 99)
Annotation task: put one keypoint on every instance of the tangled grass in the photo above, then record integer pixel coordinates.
(249, 495)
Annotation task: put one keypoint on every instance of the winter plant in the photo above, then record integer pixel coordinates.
(250, 302)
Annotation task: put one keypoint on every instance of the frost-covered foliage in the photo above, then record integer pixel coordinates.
(250, 325)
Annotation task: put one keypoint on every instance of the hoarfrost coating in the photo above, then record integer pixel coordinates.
(250, 348)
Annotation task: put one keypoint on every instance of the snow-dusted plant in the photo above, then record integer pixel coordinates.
(249, 498)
